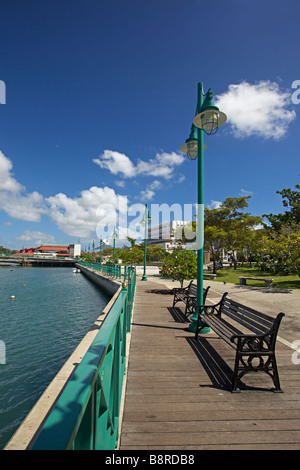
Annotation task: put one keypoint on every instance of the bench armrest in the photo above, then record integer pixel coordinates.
(209, 309)
(179, 289)
(252, 343)
(240, 336)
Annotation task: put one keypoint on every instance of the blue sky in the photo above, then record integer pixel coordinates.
(99, 97)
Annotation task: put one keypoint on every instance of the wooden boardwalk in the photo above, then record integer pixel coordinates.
(177, 395)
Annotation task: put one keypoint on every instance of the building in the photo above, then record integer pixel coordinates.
(166, 234)
(75, 250)
(52, 251)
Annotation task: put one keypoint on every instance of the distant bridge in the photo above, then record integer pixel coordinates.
(36, 262)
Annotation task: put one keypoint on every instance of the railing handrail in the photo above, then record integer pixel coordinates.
(86, 415)
(113, 270)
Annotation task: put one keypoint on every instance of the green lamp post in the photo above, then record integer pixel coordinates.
(100, 245)
(93, 256)
(114, 245)
(146, 220)
(208, 118)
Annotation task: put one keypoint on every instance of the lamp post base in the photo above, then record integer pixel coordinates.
(204, 330)
(201, 331)
(144, 278)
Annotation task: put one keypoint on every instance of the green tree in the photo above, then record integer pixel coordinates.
(214, 238)
(228, 226)
(290, 200)
(134, 256)
(282, 250)
(131, 241)
(282, 234)
(155, 253)
(179, 265)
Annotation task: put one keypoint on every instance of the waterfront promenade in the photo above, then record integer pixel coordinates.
(177, 394)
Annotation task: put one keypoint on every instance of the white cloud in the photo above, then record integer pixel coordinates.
(149, 193)
(161, 166)
(244, 192)
(120, 183)
(214, 204)
(23, 207)
(260, 109)
(181, 178)
(13, 199)
(7, 182)
(76, 217)
(37, 237)
(80, 216)
(116, 163)
(155, 185)
(146, 195)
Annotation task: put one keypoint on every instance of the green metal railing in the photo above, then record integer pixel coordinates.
(113, 270)
(86, 415)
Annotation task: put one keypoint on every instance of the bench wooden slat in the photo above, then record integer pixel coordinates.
(223, 328)
(249, 319)
(251, 310)
(193, 291)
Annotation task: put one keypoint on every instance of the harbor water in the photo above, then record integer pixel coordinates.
(52, 310)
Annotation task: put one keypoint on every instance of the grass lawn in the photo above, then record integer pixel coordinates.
(231, 275)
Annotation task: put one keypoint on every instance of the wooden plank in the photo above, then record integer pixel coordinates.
(257, 446)
(176, 396)
(207, 414)
(215, 425)
(217, 438)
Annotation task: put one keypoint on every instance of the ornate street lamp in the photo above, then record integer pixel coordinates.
(208, 118)
(191, 144)
(146, 220)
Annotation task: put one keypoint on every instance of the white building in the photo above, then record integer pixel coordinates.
(75, 250)
(165, 234)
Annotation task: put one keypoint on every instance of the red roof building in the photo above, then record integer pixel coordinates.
(54, 250)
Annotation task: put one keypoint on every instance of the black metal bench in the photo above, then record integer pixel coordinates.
(255, 348)
(188, 295)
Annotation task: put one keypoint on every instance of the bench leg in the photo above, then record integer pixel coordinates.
(190, 307)
(275, 377)
(234, 387)
(243, 365)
